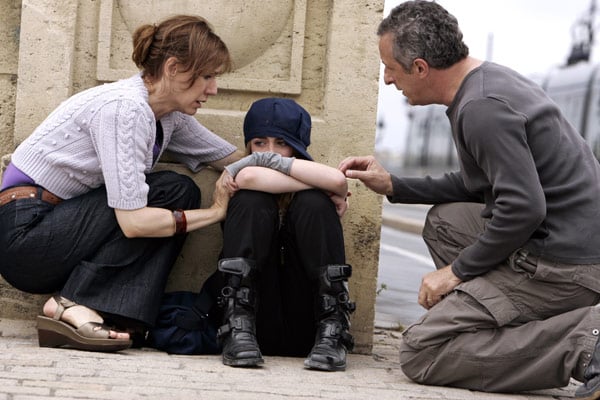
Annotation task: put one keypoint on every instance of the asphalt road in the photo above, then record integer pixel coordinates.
(403, 260)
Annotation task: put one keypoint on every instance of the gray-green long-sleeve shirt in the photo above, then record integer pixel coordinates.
(536, 175)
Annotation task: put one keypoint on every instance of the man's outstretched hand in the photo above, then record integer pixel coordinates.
(368, 171)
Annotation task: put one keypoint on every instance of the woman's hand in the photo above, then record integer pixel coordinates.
(229, 182)
(159, 222)
(222, 193)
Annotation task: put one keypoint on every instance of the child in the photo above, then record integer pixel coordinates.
(283, 258)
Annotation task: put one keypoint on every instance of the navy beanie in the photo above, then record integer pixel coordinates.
(281, 118)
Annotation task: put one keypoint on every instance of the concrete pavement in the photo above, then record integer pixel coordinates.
(29, 372)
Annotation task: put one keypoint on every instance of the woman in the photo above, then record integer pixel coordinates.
(81, 211)
(284, 246)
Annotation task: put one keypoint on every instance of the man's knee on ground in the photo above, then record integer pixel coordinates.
(414, 363)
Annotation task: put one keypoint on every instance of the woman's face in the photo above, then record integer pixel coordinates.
(272, 144)
(188, 99)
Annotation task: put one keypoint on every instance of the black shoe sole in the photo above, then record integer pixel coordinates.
(311, 364)
(243, 362)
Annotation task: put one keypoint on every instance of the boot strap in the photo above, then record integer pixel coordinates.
(347, 340)
(328, 302)
(339, 272)
(243, 296)
(333, 329)
(241, 324)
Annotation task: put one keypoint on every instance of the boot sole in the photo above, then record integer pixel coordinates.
(245, 362)
(323, 366)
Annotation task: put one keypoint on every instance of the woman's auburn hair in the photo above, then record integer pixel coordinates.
(190, 39)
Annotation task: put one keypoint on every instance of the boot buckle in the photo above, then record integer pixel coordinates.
(245, 296)
(227, 291)
(223, 331)
(338, 272)
(328, 303)
(236, 266)
(241, 324)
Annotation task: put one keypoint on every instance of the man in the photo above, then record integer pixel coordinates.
(514, 233)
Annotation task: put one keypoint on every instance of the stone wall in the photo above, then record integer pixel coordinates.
(322, 53)
(10, 18)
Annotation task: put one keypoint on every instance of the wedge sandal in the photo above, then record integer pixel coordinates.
(52, 332)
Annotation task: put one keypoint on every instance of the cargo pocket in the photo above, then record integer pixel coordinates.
(473, 305)
(588, 276)
(498, 305)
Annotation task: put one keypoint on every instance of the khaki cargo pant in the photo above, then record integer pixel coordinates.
(526, 325)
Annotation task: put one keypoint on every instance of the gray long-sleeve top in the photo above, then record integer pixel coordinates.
(536, 175)
(105, 135)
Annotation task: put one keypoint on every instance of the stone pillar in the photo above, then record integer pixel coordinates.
(45, 67)
(322, 53)
(10, 17)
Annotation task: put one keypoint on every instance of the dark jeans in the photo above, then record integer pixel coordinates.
(78, 249)
(288, 258)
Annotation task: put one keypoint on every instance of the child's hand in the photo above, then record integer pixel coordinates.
(341, 204)
(229, 183)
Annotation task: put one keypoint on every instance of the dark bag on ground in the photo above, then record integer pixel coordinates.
(185, 324)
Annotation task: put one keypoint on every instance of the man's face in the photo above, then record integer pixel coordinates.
(394, 73)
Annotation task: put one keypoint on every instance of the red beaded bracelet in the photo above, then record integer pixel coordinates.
(180, 222)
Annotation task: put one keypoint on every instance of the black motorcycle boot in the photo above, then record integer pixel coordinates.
(333, 339)
(238, 297)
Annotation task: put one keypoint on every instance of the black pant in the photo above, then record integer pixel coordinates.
(288, 258)
(78, 249)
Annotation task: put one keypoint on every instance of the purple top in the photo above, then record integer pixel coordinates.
(13, 176)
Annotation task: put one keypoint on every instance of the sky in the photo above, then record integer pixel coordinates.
(530, 36)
